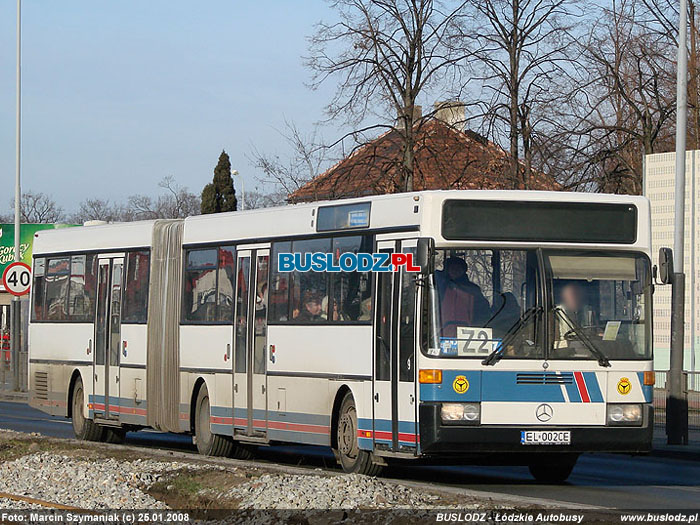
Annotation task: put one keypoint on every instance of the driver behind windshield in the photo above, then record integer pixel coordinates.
(574, 304)
(461, 301)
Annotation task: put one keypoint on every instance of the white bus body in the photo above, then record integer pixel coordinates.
(187, 326)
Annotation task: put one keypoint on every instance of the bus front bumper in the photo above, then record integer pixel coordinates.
(440, 439)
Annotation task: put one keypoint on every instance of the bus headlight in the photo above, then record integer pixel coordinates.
(464, 413)
(624, 414)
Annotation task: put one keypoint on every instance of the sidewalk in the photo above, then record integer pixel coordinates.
(9, 395)
(689, 452)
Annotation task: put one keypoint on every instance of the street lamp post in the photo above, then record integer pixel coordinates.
(677, 403)
(16, 308)
(240, 177)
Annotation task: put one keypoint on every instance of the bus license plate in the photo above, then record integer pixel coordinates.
(545, 437)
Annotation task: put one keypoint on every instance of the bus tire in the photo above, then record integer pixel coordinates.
(553, 469)
(113, 435)
(240, 451)
(352, 458)
(84, 428)
(208, 443)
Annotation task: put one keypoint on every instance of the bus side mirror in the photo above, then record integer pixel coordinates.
(424, 255)
(665, 265)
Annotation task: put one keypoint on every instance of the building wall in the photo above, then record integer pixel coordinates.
(659, 184)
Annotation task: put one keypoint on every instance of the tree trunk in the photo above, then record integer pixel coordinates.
(693, 95)
(514, 98)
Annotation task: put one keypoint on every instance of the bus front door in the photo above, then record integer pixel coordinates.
(394, 379)
(250, 344)
(105, 401)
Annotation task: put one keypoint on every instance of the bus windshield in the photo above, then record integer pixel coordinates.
(600, 303)
(486, 302)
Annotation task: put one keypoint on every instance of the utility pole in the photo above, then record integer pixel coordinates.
(677, 402)
(16, 308)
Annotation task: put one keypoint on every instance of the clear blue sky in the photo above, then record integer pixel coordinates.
(117, 95)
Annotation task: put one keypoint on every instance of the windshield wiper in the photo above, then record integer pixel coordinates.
(495, 356)
(578, 330)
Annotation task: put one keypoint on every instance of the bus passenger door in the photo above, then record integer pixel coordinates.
(240, 344)
(257, 365)
(406, 356)
(394, 358)
(250, 344)
(384, 349)
(105, 400)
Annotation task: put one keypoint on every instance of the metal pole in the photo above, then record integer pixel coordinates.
(16, 312)
(677, 403)
(235, 173)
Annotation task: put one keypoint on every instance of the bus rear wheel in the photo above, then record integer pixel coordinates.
(84, 429)
(208, 443)
(553, 469)
(352, 458)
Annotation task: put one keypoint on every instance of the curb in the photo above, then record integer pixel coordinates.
(683, 452)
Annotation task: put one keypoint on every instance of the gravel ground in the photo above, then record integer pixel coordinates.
(86, 483)
(293, 491)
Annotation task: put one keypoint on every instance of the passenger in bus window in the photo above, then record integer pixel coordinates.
(505, 314)
(365, 310)
(462, 302)
(312, 308)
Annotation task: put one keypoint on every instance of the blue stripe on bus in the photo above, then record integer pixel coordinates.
(446, 392)
(647, 390)
(573, 392)
(503, 386)
(593, 387)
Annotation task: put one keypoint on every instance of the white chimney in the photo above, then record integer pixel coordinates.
(451, 112)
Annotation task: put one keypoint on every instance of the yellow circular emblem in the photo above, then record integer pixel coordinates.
(624, 386)
(460, 384)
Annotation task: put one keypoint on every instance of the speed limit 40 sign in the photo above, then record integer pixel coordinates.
(17, 278)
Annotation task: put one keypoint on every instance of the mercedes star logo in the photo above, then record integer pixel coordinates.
(544, 412)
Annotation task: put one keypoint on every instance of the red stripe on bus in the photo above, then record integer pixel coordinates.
(582, 389)
(298, 427)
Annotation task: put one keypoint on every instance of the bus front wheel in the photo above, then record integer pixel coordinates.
(84, 429)
(553, 469)
(352, 458)
(208, 443)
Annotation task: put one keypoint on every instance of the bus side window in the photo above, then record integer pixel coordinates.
(351, 290)
(199, 302)
(309, 294)
(38, 313)
(57, 278)
(278, 296)
(135, 308)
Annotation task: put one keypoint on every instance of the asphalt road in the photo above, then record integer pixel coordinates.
(602, 480)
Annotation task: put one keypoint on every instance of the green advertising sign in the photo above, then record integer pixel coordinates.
(26, 239)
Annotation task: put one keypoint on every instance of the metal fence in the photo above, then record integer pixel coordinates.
(692, 385)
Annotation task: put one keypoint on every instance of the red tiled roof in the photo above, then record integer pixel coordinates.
(445, 158)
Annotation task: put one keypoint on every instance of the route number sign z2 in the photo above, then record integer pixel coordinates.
(17, 278)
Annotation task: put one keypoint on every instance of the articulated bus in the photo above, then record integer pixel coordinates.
(519, 333)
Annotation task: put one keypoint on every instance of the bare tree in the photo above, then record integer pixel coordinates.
(256, 199)
(386, 53)
(521, 49)
(308, 157)
(176, 202)
(95, 209)
(37, 207)
(626, 106)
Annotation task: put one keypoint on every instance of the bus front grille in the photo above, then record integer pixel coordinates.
(545, 378)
